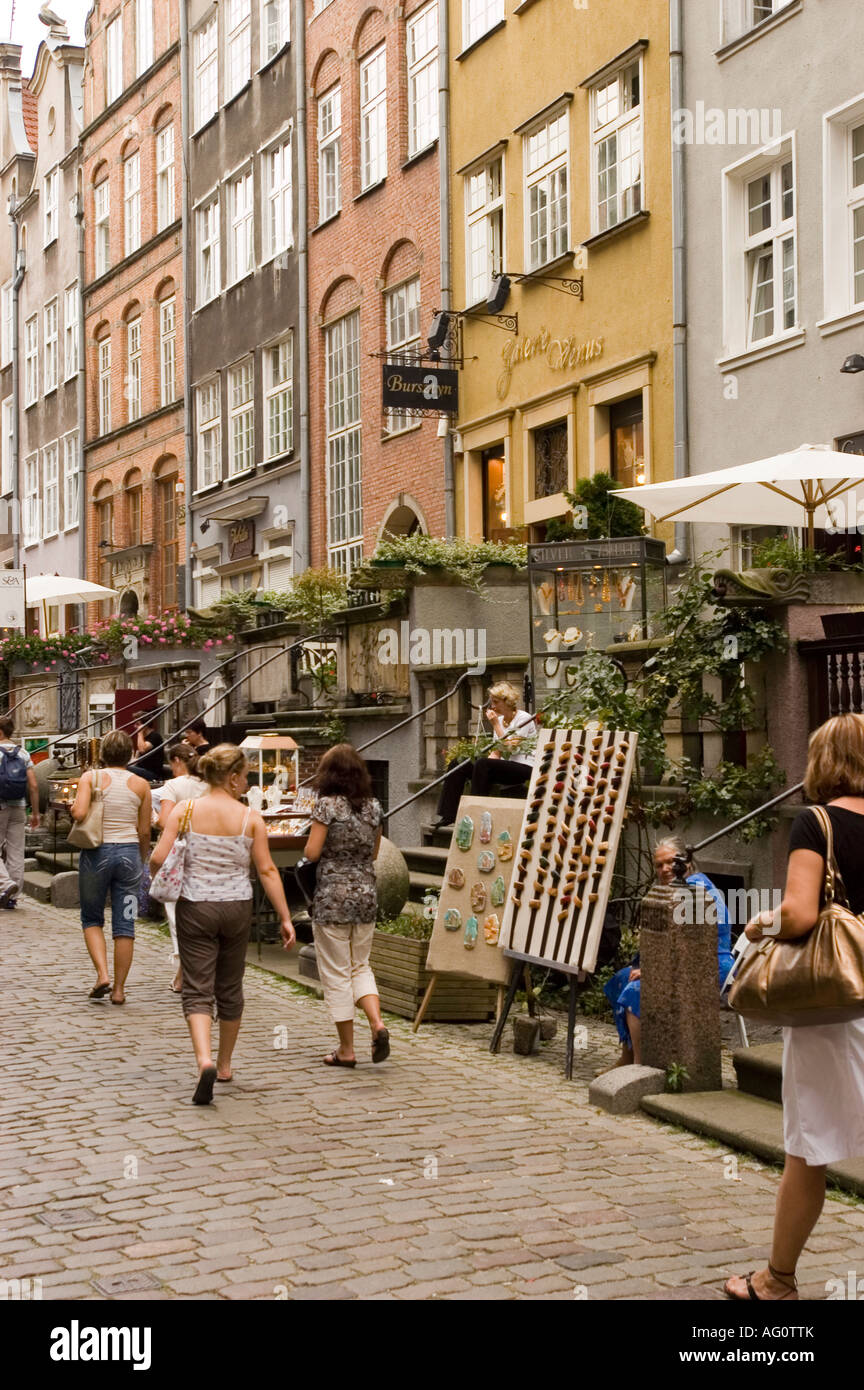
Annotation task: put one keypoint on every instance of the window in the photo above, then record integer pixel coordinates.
(422, 57)
(241, 412)
(168, 541)
(279, 398)
(856, 208)
(403, 333)
(241, 215)
(133, 368)
(31, 519)
(344, 497)
(546, 155)
(143, 35)
(133, 516)
(6, 324)
(50, 491)
(168, 351)
(239, 51)
(207, 71)
(551, 468)
(616, 124)
(278, 562)
(484, 237)
(7, 430)
(132, 203)
(51, 188)
(627, 442)
(275, 27)
(101, 209)
(277, 177)
(494, 491)
(114, 60)
(104, 353)
(769, 253)
(478, 17)
(164, 177)
(70, 481)
(209, 435)
(209, 275)
(71, 330)
(329, 153)
(31, 361)
(51, 346)
(373, 118)
(739, 16)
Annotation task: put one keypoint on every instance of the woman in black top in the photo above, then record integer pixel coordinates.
(823, 1064)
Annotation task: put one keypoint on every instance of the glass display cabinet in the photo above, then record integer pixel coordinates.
(590, 596)
(274, 769)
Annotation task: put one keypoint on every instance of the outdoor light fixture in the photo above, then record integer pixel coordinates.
(499, 292)
(853, 364)
(440, 328)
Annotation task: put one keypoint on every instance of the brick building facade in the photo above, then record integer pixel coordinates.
(374, 268)
(133, 303)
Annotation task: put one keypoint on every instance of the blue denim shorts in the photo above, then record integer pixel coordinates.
(114, 870)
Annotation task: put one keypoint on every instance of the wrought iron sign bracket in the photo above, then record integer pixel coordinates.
(508, 323)
(572, 287)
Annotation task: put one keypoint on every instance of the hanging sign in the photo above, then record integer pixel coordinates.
(12, 611)
(408, 387)
(241, 540)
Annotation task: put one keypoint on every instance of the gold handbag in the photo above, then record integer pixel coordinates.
(818, 978)
(87, 833)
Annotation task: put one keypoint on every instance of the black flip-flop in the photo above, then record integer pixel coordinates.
(381, 1046)
(99, 991)
(334, 1060)
(204, 1090)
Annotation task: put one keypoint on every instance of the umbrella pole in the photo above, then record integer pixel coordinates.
(811, 530)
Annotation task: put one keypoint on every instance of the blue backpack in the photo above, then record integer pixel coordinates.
(13, 775)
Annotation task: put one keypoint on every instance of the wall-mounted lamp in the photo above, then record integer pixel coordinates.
(853, 364)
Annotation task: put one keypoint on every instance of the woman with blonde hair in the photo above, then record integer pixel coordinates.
(214, 910)
(511, 726)
(823, 1064)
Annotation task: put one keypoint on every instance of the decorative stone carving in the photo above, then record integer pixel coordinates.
(760, 588)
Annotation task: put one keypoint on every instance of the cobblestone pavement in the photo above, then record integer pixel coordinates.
(445, 1173)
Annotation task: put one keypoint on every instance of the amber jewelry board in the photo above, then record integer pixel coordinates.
(567, 847)
(475, 890)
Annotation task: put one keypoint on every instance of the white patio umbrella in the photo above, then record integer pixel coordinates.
(57, 588)
(801, 488)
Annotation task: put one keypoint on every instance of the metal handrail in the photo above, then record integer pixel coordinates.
(416, 715)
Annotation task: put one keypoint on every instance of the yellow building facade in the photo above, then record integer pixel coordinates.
(561, 177)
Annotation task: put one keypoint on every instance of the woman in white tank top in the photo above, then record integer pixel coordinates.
(115, 867)
(185, 784)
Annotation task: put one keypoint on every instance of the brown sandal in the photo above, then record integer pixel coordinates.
(334, 1060)
(781, 1277)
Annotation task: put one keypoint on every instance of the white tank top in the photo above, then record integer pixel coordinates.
(216, 868)
(122, 804)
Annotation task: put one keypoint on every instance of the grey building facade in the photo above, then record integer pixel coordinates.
(246, 320)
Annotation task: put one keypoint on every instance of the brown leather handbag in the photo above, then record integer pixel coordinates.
(818, 978)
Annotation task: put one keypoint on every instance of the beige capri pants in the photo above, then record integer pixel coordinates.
(342, 952)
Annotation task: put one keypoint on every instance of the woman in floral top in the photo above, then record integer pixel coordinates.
(344, 840)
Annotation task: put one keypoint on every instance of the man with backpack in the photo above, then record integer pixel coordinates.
(17, 782)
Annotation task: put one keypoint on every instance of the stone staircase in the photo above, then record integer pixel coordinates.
(48, 884)
(426, 865)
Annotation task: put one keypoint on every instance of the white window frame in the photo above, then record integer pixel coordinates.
(276, 553)
(422, 63)
(102, 226)
(279, 398)
(484, 224)
(546, 177)
(6, 310)
(51, 346)
(739, 17)
(238, 46)
(241, 226)
(103, 359)
(208, 398)
(51, 187)
(31, 360)
(344, 443)
(165, 197)
(134, 396)
(70, 481)
(478, 17)
(132, 203)
(275, 28)
(402, 328)
(143, 35)
(740, 246)
(278, 181)
(330, 153)
(50, 490)
(168, 350)
(208, 237)
(843, 199)
(624, 127)
(7, 430)
(114, 60)
(241, 418)
(71, 330)
(32, 501)
(373, 117)
(206, 46)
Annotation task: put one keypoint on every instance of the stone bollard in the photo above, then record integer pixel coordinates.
(680, 1008)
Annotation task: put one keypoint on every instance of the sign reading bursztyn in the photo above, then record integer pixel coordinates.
(408, 387)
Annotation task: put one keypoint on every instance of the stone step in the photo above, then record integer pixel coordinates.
(759, 1071)
(419, 884)
(435, 838)
(743, 1122)
(37, 884)
(65, 859)
(425, 859)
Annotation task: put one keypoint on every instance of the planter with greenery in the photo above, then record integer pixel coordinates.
(398, 961)
(455, 561)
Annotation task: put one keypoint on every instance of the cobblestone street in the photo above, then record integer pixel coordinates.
(445, 1173)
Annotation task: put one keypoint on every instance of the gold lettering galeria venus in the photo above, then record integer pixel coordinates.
(561, 354)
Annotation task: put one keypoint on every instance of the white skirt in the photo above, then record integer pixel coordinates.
(823, 1092)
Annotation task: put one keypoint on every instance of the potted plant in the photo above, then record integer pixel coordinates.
(398, 959)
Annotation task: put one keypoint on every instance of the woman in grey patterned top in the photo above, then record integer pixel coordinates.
(344, 841)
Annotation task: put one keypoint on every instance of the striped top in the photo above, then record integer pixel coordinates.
(120, 816)
(216, 867)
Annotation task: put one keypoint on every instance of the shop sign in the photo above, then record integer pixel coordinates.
(408, 387)
(561, 354)
(241, 540)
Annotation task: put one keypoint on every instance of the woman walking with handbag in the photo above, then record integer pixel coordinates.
(214, 910)
(185, 783)
(823, 1063)
(112, 826)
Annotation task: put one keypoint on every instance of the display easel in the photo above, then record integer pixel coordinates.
(521, 970)
(499, 1002)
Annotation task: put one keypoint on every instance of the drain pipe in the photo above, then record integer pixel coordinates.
(18, 264)
(189, 596)
(302, 525)
(81, 401)
(444, 232)
(681, 552)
